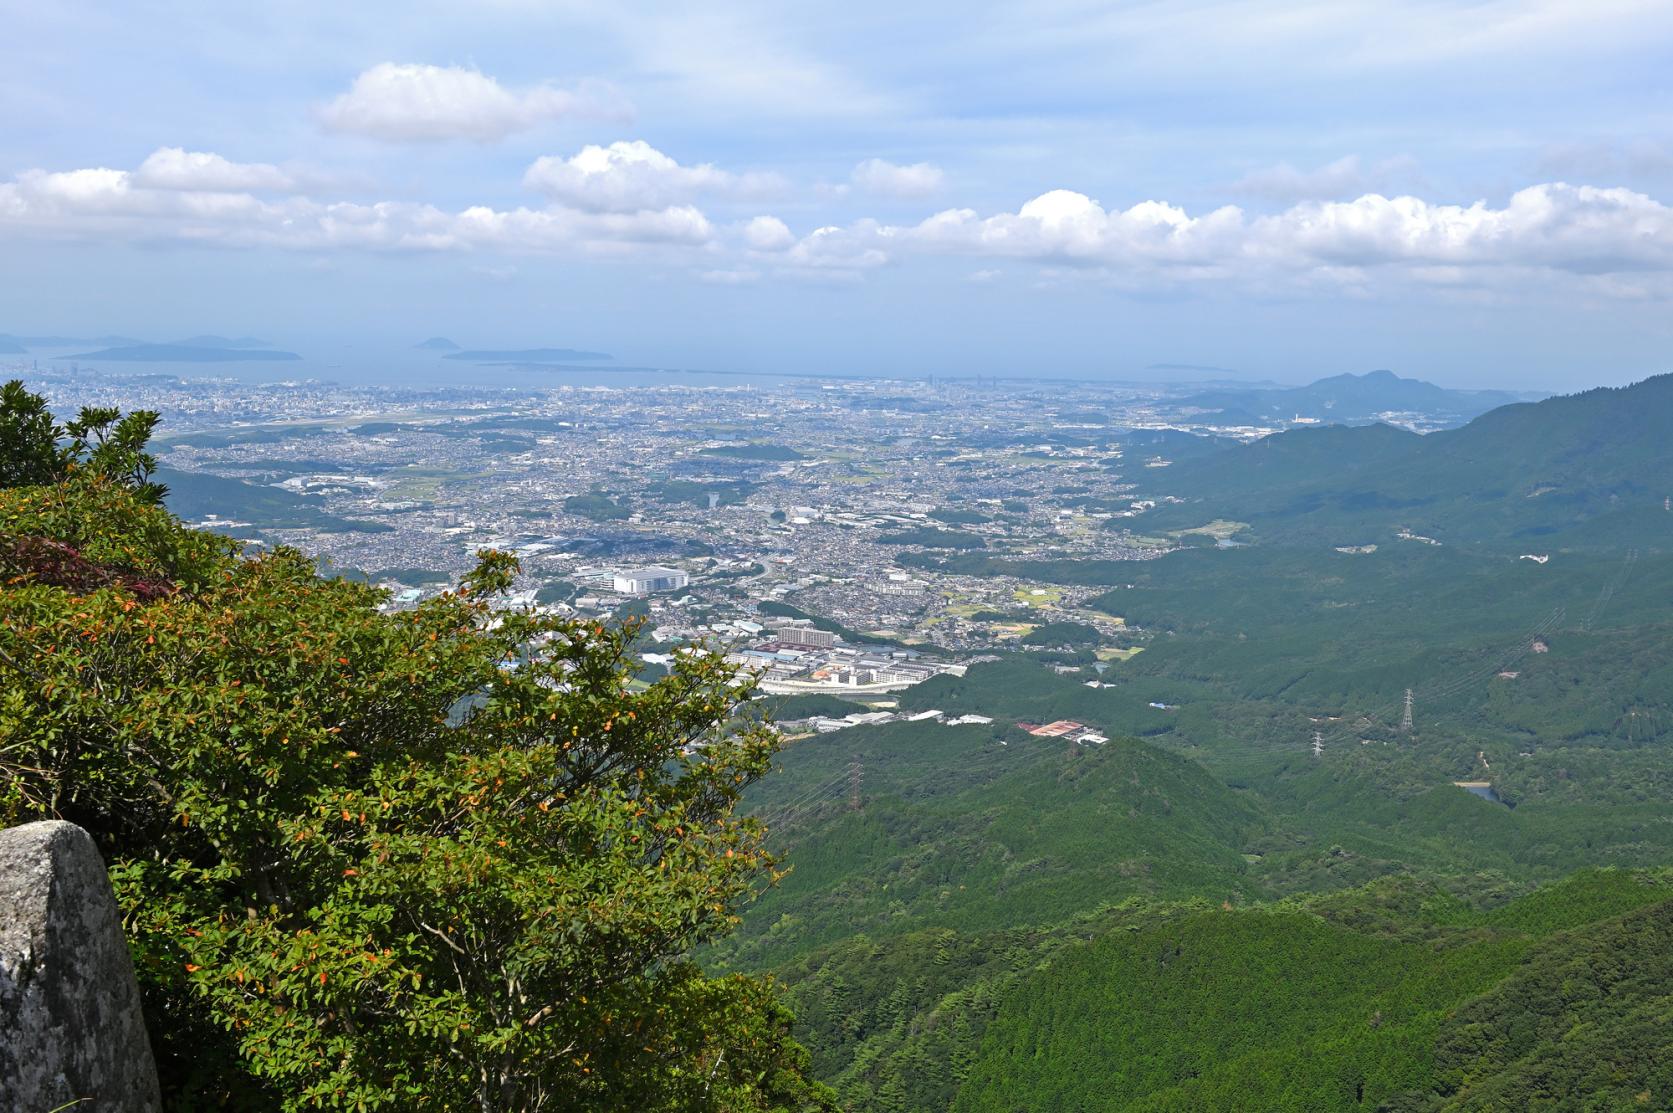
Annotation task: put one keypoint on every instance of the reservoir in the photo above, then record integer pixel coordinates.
(1483, 789)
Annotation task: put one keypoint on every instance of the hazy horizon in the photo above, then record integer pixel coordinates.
(1473, 195)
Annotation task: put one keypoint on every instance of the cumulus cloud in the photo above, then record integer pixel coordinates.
(628, 176)
(768, 233)
(419, 103)
(175, 168)
(842, 251)
(1578, 230)
(630, 199)
(106, 204)
(889, 180)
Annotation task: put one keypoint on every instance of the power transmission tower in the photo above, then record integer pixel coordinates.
(855, 771)
(1406, 716)
(1318, 743)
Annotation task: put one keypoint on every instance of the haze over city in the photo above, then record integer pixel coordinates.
(1477, 195)
(836, 558)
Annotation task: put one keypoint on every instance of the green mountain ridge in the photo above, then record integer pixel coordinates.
(1584, 470)
(1287, 1009)
(983, 829)
(1310, 914)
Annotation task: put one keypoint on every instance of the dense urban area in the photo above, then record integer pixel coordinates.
(739, 515)
(1056, 678)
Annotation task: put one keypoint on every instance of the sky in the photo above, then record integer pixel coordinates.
(1477, 193)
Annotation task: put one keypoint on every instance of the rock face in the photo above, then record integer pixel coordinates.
(70, 1023)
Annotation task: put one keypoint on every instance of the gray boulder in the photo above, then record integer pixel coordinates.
(70, 1024)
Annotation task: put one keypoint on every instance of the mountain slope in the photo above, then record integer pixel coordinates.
(1344, 1005)
(1588, 469)
(957, 830)
(1585, 1019)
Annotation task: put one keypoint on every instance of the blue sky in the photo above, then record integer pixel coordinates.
(1477, 193)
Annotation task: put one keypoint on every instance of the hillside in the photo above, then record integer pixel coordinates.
(1387, 994)
(979, 828)
(1586, 470)
(1248, 652)
(196, 495)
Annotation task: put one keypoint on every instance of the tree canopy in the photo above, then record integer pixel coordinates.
(432, 859)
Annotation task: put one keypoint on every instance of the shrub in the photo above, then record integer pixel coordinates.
(433, 859)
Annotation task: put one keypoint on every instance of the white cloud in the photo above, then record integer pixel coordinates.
(628, 199)
(1553, 228)
(174, 168)
(106, 204)
(418, 103)
(628, 176)
(1579, 229)
(768, 233)
(886, 178)
(860, 247)
(1063, 226)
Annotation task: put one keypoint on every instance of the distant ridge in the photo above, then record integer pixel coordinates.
(1583, 470)
(437, 344)
(181, 353)
(527, 355)
(1349, 400)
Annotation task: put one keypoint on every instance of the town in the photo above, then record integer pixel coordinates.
(831, 534)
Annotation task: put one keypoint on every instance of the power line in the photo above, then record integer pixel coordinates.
(1610, 588)
(791, 817)
(807, 796)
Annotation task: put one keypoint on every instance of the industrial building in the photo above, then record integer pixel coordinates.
(804, 633)
(643, 581)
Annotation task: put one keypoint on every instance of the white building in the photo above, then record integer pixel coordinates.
(808, 635)
(643, 581)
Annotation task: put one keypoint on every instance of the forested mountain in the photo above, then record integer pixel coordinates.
(1349, 400)
(964, 829)
(1391, 997)
(1586, 470)
(1269, 890)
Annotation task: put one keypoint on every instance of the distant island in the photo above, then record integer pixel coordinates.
(181, 353)
(527, 355)
(9, 345)
(438, 344)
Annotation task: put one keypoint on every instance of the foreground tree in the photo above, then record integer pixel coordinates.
(436, 859)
